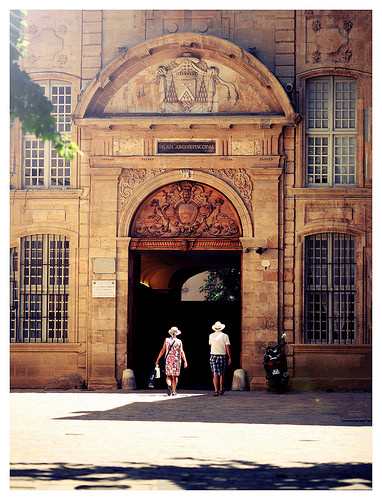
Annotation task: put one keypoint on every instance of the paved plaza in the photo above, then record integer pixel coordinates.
(145, 440)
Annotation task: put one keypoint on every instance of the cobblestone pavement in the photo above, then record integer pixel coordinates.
(145, 440)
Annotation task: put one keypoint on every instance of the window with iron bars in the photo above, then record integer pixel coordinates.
(331, 131)
(39, 289)
(330, 289)
(43, 166)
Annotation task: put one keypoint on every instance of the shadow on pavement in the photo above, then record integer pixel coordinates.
(235, 475)
(254, 408)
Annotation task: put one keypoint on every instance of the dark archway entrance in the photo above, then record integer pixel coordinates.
(155, 311)
(178, 231)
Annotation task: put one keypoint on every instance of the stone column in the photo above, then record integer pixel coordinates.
(102, 310)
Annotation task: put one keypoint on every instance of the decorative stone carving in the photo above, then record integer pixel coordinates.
(331, 36)
(62, 30)
(347, 55)
(187, 85)
(33, 29)
(48, 44)
(130, 179)
(186, 209)
(348, 25)
(188, 244)
(239, 180)
(316, 56)
(62, 59)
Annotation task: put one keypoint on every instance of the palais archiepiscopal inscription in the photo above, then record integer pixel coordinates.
(186, 209)
(186, 147)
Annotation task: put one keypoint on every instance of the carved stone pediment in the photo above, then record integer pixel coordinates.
(186, 209)
(188, 84)
(184, 74)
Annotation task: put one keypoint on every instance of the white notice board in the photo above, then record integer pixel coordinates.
(103, 288)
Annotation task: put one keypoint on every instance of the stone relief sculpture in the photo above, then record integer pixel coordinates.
(130, 179)
(189, 85)
(335, 30)
(186, 209)
(239, 180)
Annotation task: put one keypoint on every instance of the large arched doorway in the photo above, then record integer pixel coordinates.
(178, 231)
(146, 131)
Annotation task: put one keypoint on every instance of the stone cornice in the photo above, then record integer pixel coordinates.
(261, 164)
(48, 346)
(330, 192)
(46, 194)
(185, 244)
(181, 121)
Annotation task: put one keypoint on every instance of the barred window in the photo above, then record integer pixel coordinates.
(43, 166)
(330, 289)
(40, 289)
(14, 293)
(331, 128)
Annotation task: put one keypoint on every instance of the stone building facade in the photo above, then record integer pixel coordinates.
(210, 139)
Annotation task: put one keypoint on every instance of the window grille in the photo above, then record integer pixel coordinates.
(40, 289)
(14, 293)
(330, 289)
(43, 166)
(331, 128)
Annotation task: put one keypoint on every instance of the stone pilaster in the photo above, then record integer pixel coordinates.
(260, 277)
(102, 310)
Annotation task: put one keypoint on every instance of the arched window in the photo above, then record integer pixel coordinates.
(331, 131)
(40, 289)
(43, 166)
(330, 289)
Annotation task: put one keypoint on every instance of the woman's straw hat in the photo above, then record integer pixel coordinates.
(174, 331)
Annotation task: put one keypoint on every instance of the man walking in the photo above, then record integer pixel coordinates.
(220, 350)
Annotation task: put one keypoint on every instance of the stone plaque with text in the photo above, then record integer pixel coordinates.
(103, 288)
(186, 147)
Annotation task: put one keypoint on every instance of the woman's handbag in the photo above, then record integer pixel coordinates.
(152, 379)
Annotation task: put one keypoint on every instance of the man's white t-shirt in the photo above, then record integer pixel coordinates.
(218, 341)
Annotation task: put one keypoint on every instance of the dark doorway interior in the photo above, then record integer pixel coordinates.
(156, 311)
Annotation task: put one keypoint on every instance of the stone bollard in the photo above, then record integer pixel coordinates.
(128, 380)
(239, 381)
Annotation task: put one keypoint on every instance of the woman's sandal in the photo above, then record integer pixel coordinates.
(216, 393)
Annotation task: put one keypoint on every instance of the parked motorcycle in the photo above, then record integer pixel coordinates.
(275, 364)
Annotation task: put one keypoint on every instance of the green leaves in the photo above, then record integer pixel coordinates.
(222, 285)
(66, 148)
(29, 104)
(18, 40)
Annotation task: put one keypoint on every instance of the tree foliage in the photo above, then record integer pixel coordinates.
(222, 285)
(27, 100)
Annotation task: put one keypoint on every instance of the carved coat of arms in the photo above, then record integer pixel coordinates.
(186, 209)
(188, 84)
